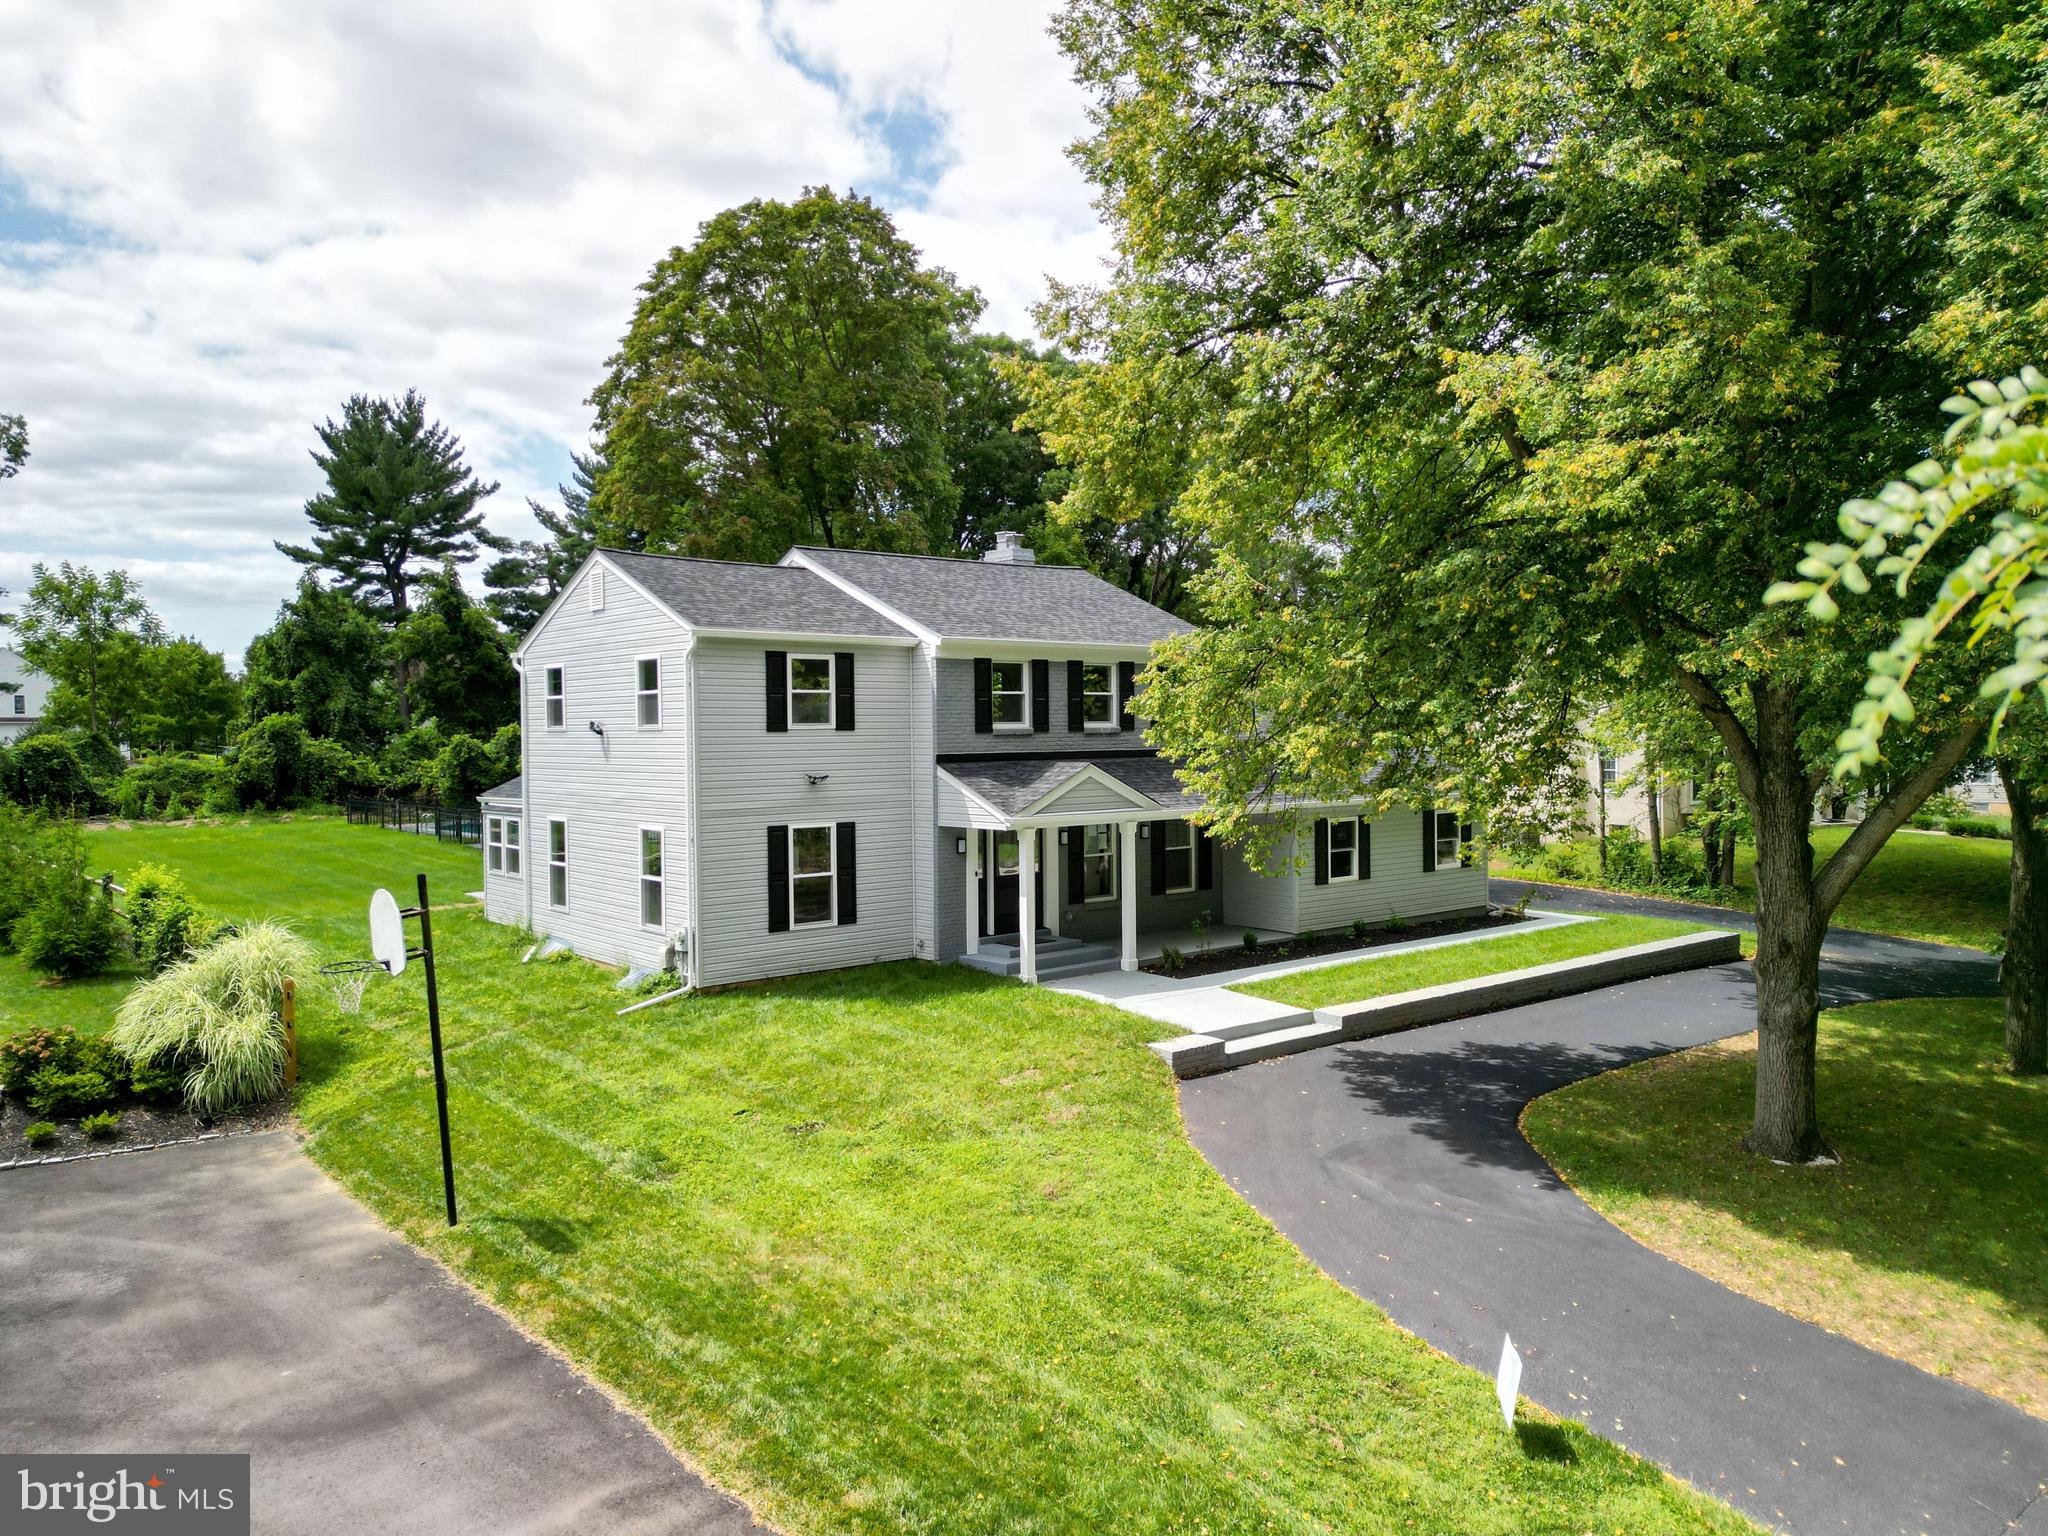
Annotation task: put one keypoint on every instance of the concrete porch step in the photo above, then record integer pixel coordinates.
(1057, 958)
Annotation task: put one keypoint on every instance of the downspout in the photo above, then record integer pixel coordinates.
(694, 837)
(525, 806)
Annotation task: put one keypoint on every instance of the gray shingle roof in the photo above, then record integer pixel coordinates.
(729, 594)
(511, 789)
(1012, 784)
(980, 600)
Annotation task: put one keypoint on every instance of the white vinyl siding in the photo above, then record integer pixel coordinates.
(751, 779)
(1399, 886)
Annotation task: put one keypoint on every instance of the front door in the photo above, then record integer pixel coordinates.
(1000, 860)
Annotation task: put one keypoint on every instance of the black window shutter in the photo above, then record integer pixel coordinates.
(1041, 696)
(778, 691)
(1074, 696)
(1365, 850)
(1428, 839)
(1205, 861)
(842, 690)
(1158, 858)
(778, 879)
(1322, 850)
(1077, 872)
(984, 701)
(1465, 843)
(849, 904)
(1126, 689)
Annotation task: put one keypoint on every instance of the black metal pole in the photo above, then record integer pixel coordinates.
(434, 1033)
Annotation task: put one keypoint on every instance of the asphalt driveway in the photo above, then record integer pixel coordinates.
(1397, 1165)
(227, 1296)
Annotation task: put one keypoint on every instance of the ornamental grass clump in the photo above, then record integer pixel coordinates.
(216, 1014)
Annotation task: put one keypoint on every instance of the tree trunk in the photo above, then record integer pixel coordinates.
(1600, 785)
(1786, 1125)
(1651, 791)
(2024, 976)
(1725, 874)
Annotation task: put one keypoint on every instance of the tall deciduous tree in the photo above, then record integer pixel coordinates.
(783, 381)
(185, 698)
(13, 446)
(324, 661)
(1533, 342)
(533, 574)
(399, 502)
(76, 624)
(456, 657)
(999, 467)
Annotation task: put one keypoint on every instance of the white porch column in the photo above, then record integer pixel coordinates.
(1127, 885)
(973, 891)
(1027, 904)
(1056, 863)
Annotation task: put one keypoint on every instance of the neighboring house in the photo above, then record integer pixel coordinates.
(21, 710)
(1619, 776)
(743, 771)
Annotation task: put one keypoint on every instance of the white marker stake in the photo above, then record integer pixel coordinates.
(1507, 1381)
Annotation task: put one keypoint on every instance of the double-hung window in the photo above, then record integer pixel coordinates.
(651, 876)
(556, 689)
(647, 689)
(813, 880)
(501, 844)
(1447, 841)
(810, 691)
(1178, 841)
(1009, 685)
(1610, 770)
(558, 862)
(1098, 862)
(1098, 697)
(20, 702)
(1344, 849)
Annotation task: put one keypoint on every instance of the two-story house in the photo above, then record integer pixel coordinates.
(23, 693)
(742, 771)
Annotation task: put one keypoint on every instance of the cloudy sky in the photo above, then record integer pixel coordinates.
(219, 220)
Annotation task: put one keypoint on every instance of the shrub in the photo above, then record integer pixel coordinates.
(45, 772)
(219, 1010)
(1360, 928)
(21, 865)
(101, 1127)
(1978, 826)
(166, 784)
(1251, 940)
(161, 1081)
(27, 1053)
(66, 1095)
(166, 925)
(39, 1133)
(274, 763)
(1171, 960)
(1943, 804)
(69, 927)
(1395, 922)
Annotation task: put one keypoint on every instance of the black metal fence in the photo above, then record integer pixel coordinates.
(447, 824)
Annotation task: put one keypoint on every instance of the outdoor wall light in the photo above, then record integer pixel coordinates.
(1063, 834)
(817, 778)
(959, 845)
(596, 729)
(1145, 829)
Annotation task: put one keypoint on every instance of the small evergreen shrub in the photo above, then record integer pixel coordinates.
(39, 1133)
(1360, 928)
(71, 929)
(166, 925)
(159, 1082)
(102, 1126)
(1251, 940)
(67, 1095)
(1171, 960)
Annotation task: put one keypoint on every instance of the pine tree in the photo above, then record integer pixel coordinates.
(524, 582)
(399, 500)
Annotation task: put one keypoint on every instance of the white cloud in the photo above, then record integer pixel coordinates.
(219, 220)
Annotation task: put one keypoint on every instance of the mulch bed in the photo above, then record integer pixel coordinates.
(141, 1126)
(1310, 945)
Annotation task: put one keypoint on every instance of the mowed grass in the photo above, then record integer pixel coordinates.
(911, 1249)
(1928, 1241)
(1921, 885)
(313, 873)
(1361, 979)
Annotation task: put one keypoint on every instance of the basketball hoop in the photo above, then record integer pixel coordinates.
(348, 967)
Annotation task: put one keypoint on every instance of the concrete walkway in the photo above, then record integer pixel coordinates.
(227, 1296)
(1398, 1166)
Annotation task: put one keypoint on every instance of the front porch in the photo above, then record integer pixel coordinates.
(1062, 957)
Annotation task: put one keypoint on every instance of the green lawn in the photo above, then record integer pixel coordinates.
(902, 1249)
(314, 873)
(1927, 1242)
(1361, 979)
(1921, 885)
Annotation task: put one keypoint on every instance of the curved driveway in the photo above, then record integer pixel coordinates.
(1397, 1165)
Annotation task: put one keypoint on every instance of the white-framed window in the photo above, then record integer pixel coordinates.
(1098, 862)
(1447, 844)
(813, 877)
(810, 692)
(20, 703)
(558, 862)
(1610, 770)
(647, 688)
(1344, 849)
(556, 688)
(1178, 839)
(501, 844)
(1098, 697)
(652, 879)
(1009, 695)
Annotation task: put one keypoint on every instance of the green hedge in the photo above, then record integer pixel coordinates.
(1979, 826)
